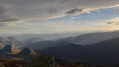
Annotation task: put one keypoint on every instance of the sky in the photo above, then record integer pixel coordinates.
(58, 16)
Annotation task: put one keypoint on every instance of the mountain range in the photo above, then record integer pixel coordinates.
(92, 48)
(91, 38)
(102, 53)
(85, 39)
(45, 41)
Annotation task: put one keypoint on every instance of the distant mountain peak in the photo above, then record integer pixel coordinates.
(9, 49)
(27, 52)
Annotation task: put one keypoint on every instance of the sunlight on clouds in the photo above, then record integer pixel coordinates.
(11, 24)
(114, 21)
(48, 9)
(79, 23)
(67, 16)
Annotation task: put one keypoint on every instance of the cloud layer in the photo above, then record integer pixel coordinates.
(16, 10)
(43, 9)
(114, 21)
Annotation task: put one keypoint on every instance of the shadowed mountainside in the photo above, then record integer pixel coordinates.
(102, 53)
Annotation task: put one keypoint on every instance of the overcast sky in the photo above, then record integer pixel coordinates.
(58, 16)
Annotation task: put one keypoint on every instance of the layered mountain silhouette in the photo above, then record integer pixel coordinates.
(93, 48)
(86, 39)
(67, 51)
(48, 43)
(102, 53)
(92, 38)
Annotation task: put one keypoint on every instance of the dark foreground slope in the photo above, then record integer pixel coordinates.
(103, 53)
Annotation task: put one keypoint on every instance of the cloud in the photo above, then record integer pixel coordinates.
(74, 11)
(8, 20)
(9, 24)
(114, 21)
(117, 10)
(47, 9)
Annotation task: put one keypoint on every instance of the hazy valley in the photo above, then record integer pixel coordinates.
(99, 49)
